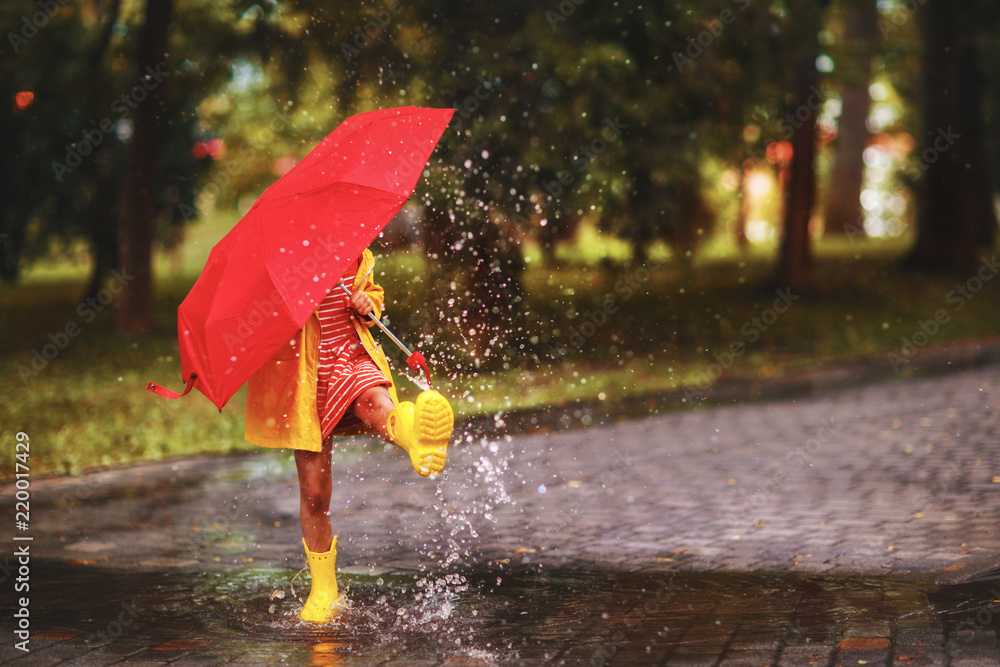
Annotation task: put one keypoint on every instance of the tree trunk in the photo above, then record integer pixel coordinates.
(136, 211)
(978, 203)
(795, 258)
(843, 197)
(641, 229)
(955, 211)
(742, 208)
(9, 264)
(103, 222)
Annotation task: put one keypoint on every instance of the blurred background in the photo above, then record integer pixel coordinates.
(632, 200)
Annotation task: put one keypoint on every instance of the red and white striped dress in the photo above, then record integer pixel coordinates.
(345, 368)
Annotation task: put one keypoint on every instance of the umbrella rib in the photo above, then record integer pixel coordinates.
(410, 111)
(331, 186)
(295, 171)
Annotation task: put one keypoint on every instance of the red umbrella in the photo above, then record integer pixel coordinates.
(267, 276)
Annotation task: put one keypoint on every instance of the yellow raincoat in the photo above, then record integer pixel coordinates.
(281, 396)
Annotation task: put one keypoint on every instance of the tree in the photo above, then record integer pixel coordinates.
(39, 207)
(136, 222)
(794, 269)
(70, 117)
(955, 214)
(100, 173)
(843, 206)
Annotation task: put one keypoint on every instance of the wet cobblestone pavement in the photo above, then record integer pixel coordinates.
(853, 527)
(95, 615)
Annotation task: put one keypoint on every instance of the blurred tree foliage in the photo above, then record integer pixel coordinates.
(70, 90)
(566, 109)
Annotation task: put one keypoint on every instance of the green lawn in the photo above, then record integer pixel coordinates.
(663, 330)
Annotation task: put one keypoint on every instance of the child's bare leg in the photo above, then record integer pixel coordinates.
(426, 442)
(315, 487)
(373, 407)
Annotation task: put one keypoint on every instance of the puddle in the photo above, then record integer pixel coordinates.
(494, 616)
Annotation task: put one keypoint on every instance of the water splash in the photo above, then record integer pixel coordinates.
(476, 486)
(419, 381)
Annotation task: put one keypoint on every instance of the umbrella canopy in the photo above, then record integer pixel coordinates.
(270, 272)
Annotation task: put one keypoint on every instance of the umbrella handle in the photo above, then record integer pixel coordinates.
(417, 362)
(166, 393)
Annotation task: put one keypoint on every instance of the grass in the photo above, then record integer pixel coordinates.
(669, 333)
(88, 406)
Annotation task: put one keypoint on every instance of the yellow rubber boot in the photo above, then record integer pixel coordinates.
(423, 429)
(323, 595)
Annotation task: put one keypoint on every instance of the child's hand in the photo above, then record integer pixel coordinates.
(361, 304)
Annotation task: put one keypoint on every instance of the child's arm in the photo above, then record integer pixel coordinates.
(368, 298)
(361, 303)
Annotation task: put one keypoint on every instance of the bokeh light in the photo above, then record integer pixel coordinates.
(23, 99)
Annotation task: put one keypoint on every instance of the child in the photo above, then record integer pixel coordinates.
(332, 378)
